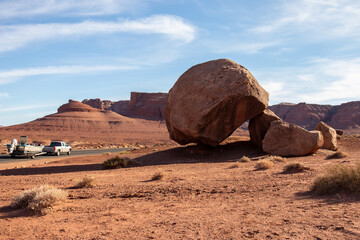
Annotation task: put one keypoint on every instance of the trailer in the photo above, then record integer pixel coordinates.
(24, 149)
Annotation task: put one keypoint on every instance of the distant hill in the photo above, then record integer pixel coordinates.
(76, 121)
(151, 106)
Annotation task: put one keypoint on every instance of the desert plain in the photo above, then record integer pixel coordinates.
(205, 193)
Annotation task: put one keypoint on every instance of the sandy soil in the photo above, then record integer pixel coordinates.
(201, 197)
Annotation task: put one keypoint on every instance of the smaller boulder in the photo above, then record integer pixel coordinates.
(329, 135)
(259, 125)
(285, 139)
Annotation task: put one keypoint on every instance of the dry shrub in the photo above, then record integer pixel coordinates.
(275, 159)
(244, 159)
(39, 199)
(295, 167)
(158, 176)
(338, 178)
(235, 165)
(86, 182)
(107, 153)
(338, 155)
(124, 152)
(264, 164)
(115, 162)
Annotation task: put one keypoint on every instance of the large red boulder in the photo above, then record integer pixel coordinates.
(211, 100)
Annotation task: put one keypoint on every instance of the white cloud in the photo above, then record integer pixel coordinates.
(15, 74)
(343, 81)
(22, 8)
(324, 19)
(249, 48)
(4, 95)
(16, 36)
(322, 81)
(26, 107)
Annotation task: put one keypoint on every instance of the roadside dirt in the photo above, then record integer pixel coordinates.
(205, 194)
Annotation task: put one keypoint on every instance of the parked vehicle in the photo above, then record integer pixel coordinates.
(57, 147)
(24, 149)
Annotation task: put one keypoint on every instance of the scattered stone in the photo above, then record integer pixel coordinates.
(284, 139)
(329, 134)
(259, 125)
(211, 100)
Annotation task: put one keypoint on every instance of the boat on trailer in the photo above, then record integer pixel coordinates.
(24, 149)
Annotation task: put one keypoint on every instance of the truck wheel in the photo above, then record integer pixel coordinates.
(32, 156)
(69, 152)
(12, 155)
(58, 153)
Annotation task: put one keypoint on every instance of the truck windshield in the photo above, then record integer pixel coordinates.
(55, 144)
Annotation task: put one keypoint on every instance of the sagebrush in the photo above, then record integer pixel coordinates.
(264, 164)
(158, 176)
(115, 162)
(86, 182)
(338, 178)
(295, 167)
(39, 199)
(244, 159)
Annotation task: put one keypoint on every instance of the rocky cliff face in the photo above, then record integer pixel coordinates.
(151, 106)
(148, 106)
(302, 114)
(345, 116)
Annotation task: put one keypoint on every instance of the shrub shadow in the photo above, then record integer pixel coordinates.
(50, 169)
(10, 212)
(330, 199)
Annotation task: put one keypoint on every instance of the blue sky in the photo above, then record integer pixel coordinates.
(52, 50)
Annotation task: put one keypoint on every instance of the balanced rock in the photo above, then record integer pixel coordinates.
(211, 100)
(329, 135)
(285, 139)
(259, 125)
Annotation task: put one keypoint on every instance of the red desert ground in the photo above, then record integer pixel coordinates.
(234, 189)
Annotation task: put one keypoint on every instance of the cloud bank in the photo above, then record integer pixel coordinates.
(23, 8)
(16, 36)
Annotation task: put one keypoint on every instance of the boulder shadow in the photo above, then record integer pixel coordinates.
(202, 154)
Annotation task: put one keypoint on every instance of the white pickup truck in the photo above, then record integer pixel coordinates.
(57, 147)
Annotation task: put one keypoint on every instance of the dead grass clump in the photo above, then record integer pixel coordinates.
(86, 182)
(158, 176)
(338, 178)
(115, 162)
(235, 165)
(244, 159)
(275, 159)
(39, 199)
(264, 164)
(125, 152)
(295, 168)
(338, 155)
